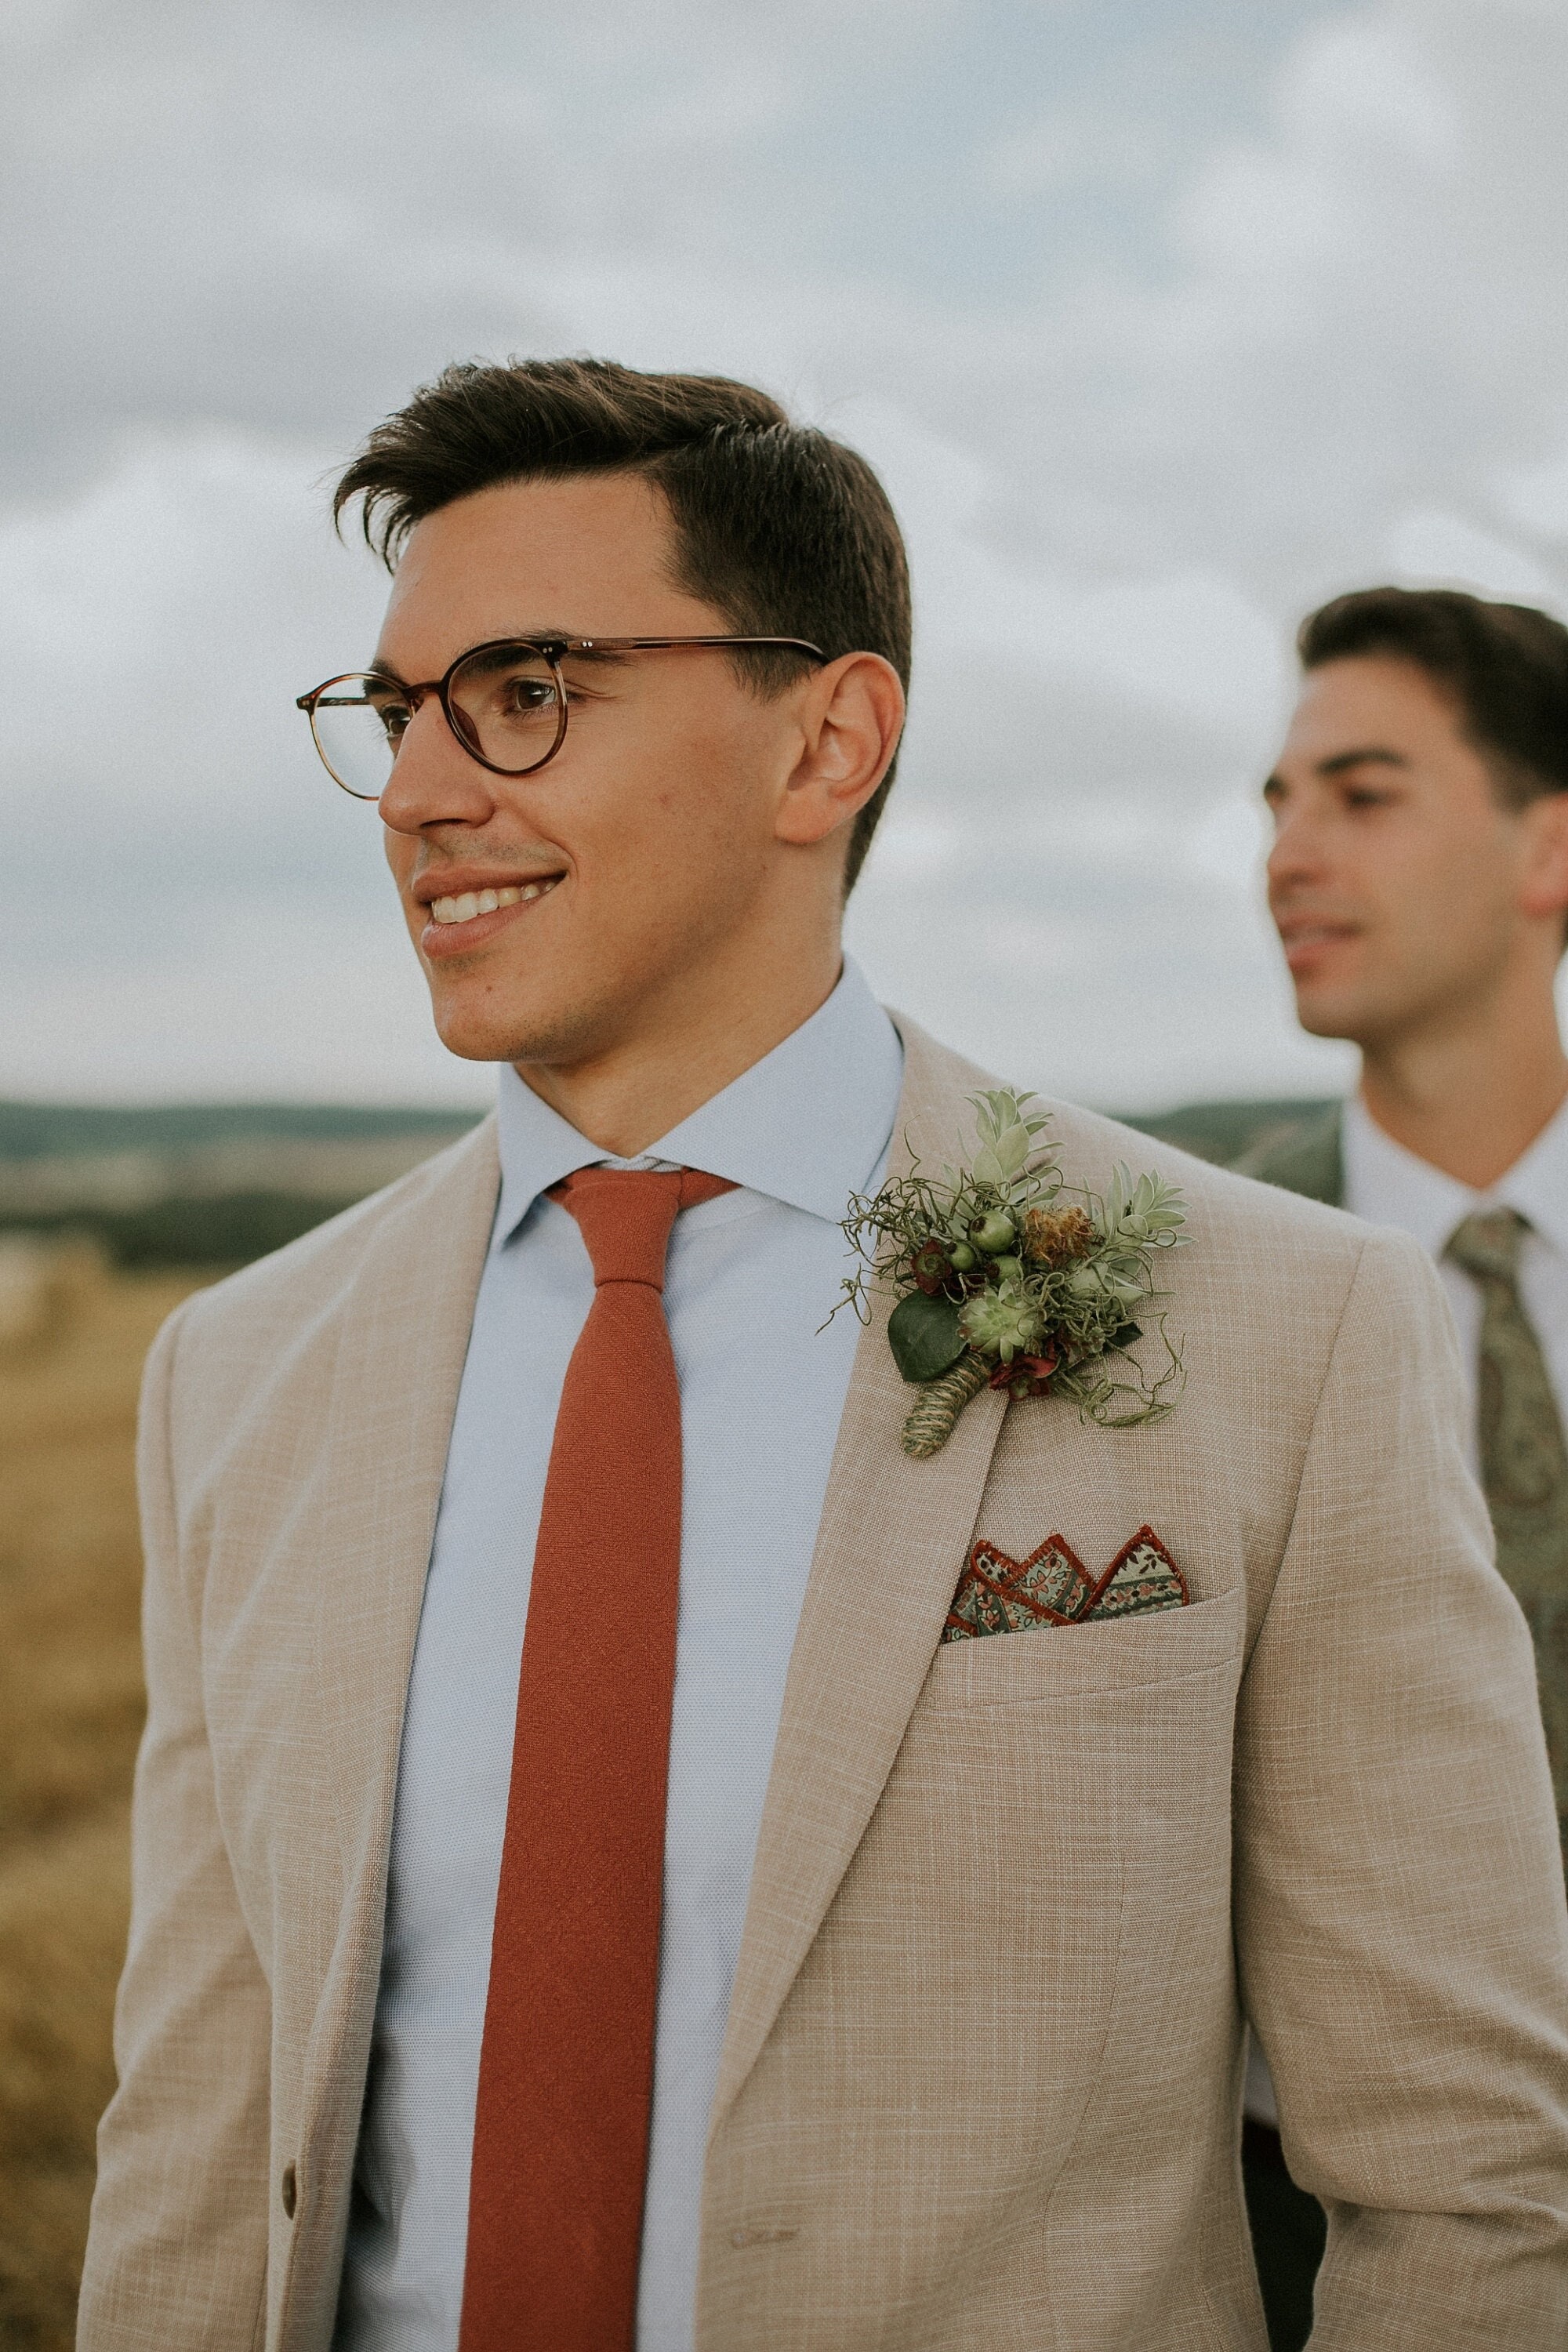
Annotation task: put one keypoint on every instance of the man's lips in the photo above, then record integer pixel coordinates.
(461, 919)
(1308, 939)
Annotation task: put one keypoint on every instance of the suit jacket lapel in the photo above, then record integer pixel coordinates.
(888, 1553)
(382, 1454)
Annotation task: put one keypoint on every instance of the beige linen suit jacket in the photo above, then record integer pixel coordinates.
(980, 2084)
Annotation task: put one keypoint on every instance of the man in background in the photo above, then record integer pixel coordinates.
(1419, 879)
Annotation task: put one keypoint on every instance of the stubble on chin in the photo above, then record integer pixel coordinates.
(562, 1035)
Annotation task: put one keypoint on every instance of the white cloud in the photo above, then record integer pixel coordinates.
(1428, 545)
(1364, 85)
(1535, 498)
(1064, 147)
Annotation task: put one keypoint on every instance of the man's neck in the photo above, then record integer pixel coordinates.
(628, 1095)
(1471, 1099)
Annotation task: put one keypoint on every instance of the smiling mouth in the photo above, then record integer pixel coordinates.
(471, 904)
(1305, 938)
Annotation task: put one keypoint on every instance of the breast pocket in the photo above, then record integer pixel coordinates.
(1068, 1663)
(1075, 1778)
(1048, 1871)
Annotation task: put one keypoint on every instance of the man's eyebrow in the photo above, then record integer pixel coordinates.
(1367, 755)
(550, 633)
(1340, 763)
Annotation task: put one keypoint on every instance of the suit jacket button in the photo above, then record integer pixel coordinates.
(290, 2190)
(740, 2237)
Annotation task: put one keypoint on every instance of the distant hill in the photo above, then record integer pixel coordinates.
(216, 1184)
(203, 1183)
(1222, 1131)
(38, 1130)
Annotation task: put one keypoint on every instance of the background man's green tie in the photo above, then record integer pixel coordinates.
(1524, 1464)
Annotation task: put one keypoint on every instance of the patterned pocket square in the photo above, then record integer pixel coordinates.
(1052, 1587)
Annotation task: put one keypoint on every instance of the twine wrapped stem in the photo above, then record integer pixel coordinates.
(930, 1425)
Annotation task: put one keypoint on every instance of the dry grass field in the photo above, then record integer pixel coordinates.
(72, 1337)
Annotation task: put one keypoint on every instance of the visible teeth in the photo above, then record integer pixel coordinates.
(463, 909)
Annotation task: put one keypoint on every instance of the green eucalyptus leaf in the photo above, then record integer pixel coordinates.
(924, 1336)
(1012, 1147)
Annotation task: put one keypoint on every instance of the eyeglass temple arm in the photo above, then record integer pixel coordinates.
(556, 645)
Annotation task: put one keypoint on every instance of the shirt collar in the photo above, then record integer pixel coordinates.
(1537, 1184)
(807, 1124)
(1392, 1186)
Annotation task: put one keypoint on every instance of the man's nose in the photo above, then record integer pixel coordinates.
(433, 780)
(1299, 851)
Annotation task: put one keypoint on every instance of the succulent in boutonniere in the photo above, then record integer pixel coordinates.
(1006, 1278)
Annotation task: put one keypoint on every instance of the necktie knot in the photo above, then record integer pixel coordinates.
(625, 1216)
(1487, 1244)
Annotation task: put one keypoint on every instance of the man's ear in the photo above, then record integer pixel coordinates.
(851, 717)
(1543, 889)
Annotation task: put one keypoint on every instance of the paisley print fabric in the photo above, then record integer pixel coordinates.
(999, 1595)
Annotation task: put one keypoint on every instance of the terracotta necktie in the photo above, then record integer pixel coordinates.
(561, 2130)
(1524, 1464)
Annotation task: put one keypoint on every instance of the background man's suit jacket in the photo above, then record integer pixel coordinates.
(1305, 1155)
(980, 2081)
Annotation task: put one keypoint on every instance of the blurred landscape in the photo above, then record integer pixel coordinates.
(72, 1336)
(201, 1183)
(108, 1219)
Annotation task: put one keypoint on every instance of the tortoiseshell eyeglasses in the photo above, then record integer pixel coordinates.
(506, 702)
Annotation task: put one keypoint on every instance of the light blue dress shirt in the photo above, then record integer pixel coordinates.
(749, 1279)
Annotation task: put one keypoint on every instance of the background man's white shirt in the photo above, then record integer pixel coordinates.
(750, 1280)
(1389, 1186)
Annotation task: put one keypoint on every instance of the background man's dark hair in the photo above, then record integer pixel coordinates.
(1505, 667)
(782, 530)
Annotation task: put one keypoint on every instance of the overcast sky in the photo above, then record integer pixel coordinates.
(1162, 318)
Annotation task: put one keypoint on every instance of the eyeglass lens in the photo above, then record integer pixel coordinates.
(505, 703)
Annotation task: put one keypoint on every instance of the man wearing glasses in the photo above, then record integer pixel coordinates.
(587, 1894)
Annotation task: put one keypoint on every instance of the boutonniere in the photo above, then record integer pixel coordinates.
(1009, 1278)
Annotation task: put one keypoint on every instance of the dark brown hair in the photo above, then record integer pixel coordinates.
(1504, 665)
(783, 531)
